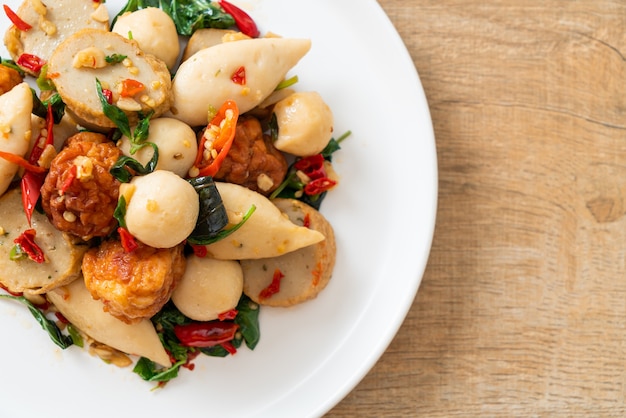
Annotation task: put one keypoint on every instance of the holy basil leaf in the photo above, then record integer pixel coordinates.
(114, 113)
(120, 212)
(40, 108)
(120, 170)
(206, 240)
(60, 339)
(248, 320)
(212, 217)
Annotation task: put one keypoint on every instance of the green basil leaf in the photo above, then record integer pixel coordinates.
(114, 58)
(40, 108)
(210, 239)
(120, 171)
(49, 326)
(120, 212)
(114, 113)
(248, 320)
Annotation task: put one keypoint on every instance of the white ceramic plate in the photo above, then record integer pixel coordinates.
(312, 355)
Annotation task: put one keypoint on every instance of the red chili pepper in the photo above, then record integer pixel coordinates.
(242, 19)
(273, 287)
(6, 289)
(27, 243)
(205, 334)
(318, 186)
(127, 240)
(67, 183)
(228, 346)
(312, 166)
(16, 20)
(199, 251)
(62, 319)
(222, 143)
(239, 76)
(108, 95)
(30, 62)
(306, 222)
(33, 180)
(16, 159)
(228, 315)
(130, 87)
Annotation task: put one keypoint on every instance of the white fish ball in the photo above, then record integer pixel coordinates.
(305, 124)
(154, 31)
(176, 142)
(162, 210)
(208, 288)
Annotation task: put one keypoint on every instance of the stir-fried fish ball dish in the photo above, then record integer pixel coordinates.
(159, 182)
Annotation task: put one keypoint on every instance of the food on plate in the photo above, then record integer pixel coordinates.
(175, 140)
(79, 194)
(266, 234)
(208, 288)
(305, 124)
(146, 213)
(58, 262)
(15, 129)
(253, 161)
(76, 304)
(207, 37)
(300, 275)
(161, 208)
(142, 25)
(132, 285)
(244, 71)
(38, 28)
(138, 83)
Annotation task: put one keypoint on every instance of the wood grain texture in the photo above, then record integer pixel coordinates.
(522, 310)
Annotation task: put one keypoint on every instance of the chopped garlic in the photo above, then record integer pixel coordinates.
(129, 104)
(264, 182)
(84, 168)
(101, 14)
(91, 57)
(39, 7)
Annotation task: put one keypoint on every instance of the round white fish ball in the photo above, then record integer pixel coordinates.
(208, 288)
(305, 124)
(162, 210)
(176, 142)
(154, 31)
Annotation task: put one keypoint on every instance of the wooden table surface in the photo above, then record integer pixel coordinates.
(522, 309)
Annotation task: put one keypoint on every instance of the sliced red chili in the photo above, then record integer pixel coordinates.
(274, 286)
(306, 222)
(242, 19)
(6, 289)
(69, 179)
(30, 62)
(239, 76)
(312, 166)
(27, 243)
(108, 95)
(228, 315)
(199, 251)
(206, 334)
(228, 346)
(131, 87)
(318, 186)
(225, 121)
(32, 180)
(16, 20)
(16, 159)
(127, 240)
